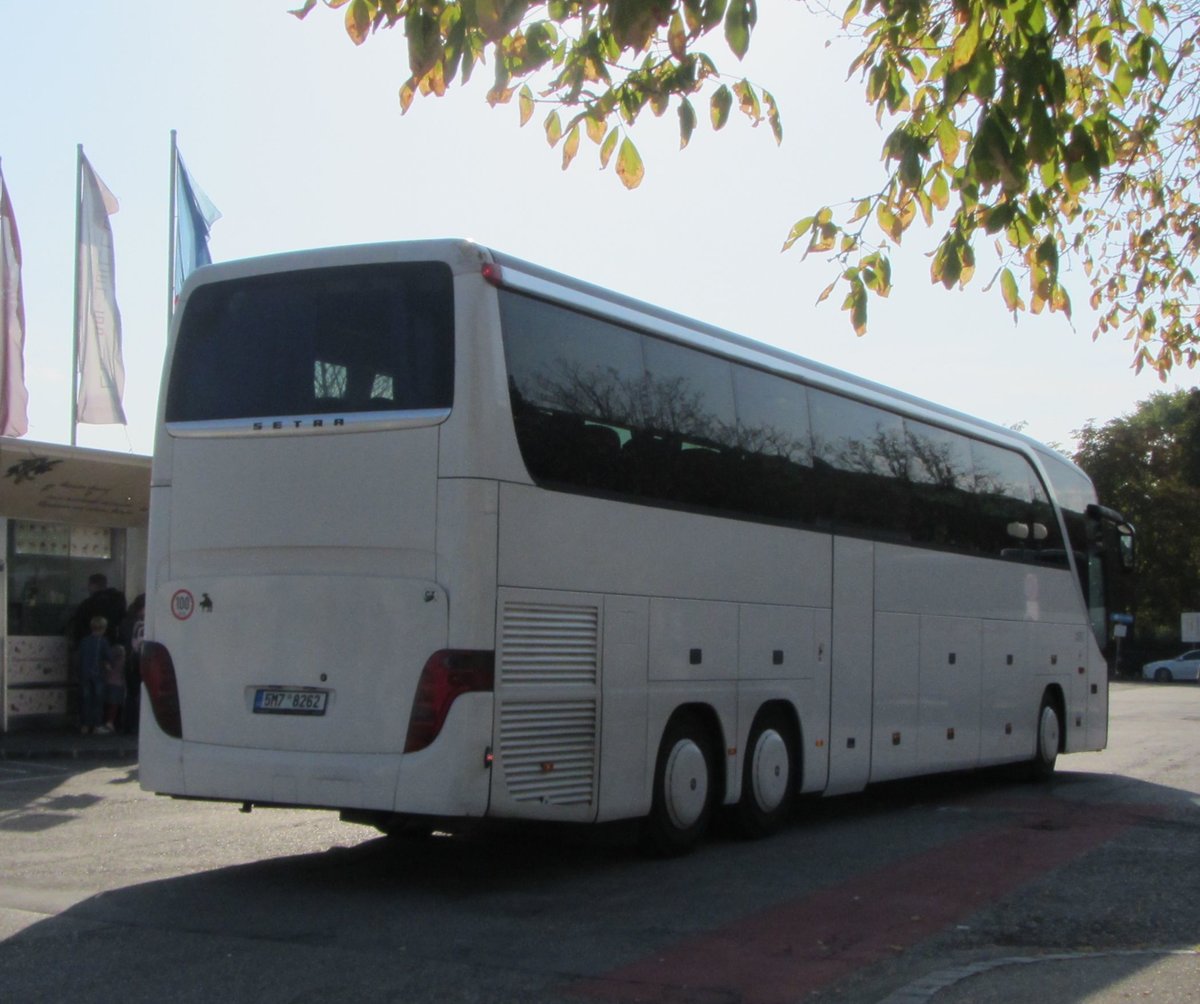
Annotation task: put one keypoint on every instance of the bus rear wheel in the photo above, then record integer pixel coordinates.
(768, 776)
(684, 788)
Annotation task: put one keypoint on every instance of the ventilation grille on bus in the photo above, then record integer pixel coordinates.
(549, 751)
(549, 644)
(549, 699)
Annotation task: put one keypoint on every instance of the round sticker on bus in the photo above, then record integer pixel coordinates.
(183, 604)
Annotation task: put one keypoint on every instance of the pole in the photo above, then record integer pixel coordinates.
(78, 266)
(171, 227)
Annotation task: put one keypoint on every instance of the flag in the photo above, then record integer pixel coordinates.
(195, 215)
(14, 399)
(98, 321)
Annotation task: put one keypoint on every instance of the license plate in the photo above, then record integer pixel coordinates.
(289, 701)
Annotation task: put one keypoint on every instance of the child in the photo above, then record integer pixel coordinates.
(114, 688)
(94, 659)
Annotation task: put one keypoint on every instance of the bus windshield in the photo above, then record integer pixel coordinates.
(362, 338)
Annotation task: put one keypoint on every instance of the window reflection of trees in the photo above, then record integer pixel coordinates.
(857, 468)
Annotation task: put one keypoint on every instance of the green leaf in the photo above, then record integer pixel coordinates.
(948, 140)
(939, 191)
(888, 222)
(1145, 19)
(739, 21)
(722, 101)
(525, 102)
(687, 122)
(799, 229)
(553, 128)
(629, 165)
(1008, 288)
(856, 304)
(609, 145)
(773, 116)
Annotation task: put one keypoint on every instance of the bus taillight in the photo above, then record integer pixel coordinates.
(158, 675)
(446, 675)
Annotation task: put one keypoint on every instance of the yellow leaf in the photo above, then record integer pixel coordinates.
(571, 146)
(595, 129)
(407, 93)
(358, 21)
(629, 165)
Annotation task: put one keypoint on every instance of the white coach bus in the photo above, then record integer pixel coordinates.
(439, 534)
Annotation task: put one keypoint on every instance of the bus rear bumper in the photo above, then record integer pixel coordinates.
(450, 778)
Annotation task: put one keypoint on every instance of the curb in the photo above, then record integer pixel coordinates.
(926, 989)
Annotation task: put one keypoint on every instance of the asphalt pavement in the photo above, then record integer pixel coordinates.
(1165, 975)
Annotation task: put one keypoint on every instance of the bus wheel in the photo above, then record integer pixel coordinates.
(768, 781)
(684, 785)
(1049, 731)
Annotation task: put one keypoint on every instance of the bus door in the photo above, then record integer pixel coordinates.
(852, 670)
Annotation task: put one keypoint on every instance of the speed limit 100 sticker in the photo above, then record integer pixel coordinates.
(183, 604)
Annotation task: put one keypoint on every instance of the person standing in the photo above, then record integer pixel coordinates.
(95, 658)
(102, 600)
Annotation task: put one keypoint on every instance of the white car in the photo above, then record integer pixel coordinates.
(1182, 667)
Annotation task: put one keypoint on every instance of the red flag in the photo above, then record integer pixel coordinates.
(14, 399)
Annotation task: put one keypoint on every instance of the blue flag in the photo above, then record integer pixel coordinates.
(195, 214)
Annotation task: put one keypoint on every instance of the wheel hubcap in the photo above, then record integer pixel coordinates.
(686, 784)
(1049, 735)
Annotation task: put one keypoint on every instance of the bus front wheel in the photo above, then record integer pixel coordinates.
(684, 787)
(1049, 733)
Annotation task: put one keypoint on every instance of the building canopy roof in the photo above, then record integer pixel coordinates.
(73, 485)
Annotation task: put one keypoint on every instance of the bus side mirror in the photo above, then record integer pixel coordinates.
(1127, 545)
(1112, 522)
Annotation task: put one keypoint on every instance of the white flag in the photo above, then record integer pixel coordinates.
(14, 399)
(98, 324)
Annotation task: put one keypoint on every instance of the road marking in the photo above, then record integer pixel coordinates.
(784, 953)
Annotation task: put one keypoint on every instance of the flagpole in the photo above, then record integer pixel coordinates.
(171, 226)
(78, 263)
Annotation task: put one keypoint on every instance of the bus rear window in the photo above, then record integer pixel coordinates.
(340, 340)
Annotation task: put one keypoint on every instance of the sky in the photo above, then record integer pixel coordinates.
(297, 137)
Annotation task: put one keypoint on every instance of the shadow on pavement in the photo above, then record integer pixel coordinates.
(526, 913)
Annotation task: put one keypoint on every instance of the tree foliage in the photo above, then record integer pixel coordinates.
(1147, 466)
(1062, 131)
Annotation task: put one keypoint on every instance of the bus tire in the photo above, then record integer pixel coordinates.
(684, 788)
(768, 775)
(1049, 734)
